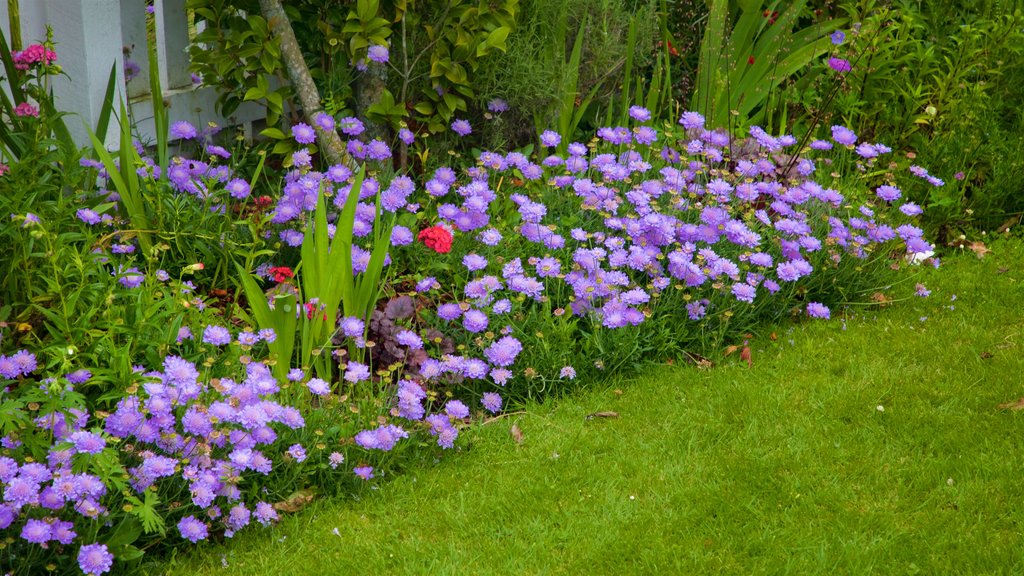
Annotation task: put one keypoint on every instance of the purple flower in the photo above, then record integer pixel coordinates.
(911, 209)
(297, 451)
(382, 438)
(639, 113)
(497, 105)
(95, 559)
(474, 262)
(319, 387)
(888, 193)
(843, 135)
(79, 376)
(461, 127)
(550, 139)
(324, 121)
(364, 472)
(504, 351)
(838, 37)
(377, 53)
(839, 65)
(356, 372)
(216, 335)
(237, 188)
(303, 133)
(474, 321)
(87, 442)
(817, 310)
(265, 513)
(456, 409)
(692, 121)
(192, 529)
(449, 311)
(36, 531)
(406, 136)
(491, 401)
(567, 372)
(351, 126)
(922, 291)
(183, 130)
(88, 216)
(409, 339)
(336, 459)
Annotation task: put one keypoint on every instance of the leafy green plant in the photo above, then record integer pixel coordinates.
(743, 59)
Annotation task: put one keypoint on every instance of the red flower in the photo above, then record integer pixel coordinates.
(750, 60)
(437, 238)
(263, 202)
(280, 273)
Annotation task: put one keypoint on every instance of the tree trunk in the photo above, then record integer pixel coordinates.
(309, 97)
(369, 87)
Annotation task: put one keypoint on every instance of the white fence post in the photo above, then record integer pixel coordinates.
(92, 35)
(89, 41)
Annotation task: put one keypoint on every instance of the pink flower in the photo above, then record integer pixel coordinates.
(34, 54)
(26, 109)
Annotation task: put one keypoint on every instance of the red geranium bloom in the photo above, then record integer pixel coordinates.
(281, 273)
(437, 238)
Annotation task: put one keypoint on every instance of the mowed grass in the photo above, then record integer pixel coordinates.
(875, 449)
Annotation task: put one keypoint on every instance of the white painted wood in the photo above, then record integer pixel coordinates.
(172, 45)
(133, 40)
(92, 35)
(89, 41)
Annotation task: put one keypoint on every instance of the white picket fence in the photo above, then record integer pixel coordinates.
(91, 35)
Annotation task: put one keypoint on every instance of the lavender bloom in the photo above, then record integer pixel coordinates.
(88, 216)
(383, 438)
(456, 409)
(192, 529)
(183, 130)
(474, 262)
(692, 121)
(888, 193)
(491, 401)
(303, 133)
(504, 351)
(409, 339)
(837, 37)
(324, 121)
(839, 65)
(364, 472)
(406, 136)
(474, 321)
(297, 452)
(550, 139)
(237, 188)
(265, 513)
(351, 126)
(449, 311)
(843, 135)
(357, 372)
(216, 335)
(817, 310)
(377, 53)
(567, 372)
(95, 559)
(639, 113)
(336, 459)
(461, 127)
(319, 387)
(36, 531)
(497, 105)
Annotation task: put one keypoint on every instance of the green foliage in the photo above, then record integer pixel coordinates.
(744, 57)
(940, 81)
(236, 52)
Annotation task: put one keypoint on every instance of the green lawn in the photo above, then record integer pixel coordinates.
(880, 448)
